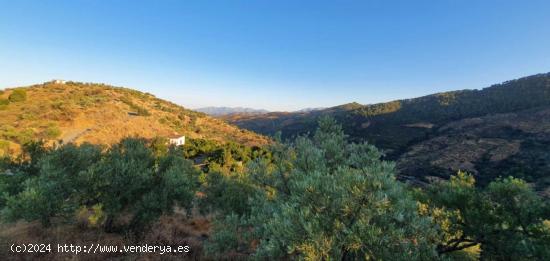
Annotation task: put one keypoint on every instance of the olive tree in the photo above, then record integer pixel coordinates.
(506, 220)
(324, 198)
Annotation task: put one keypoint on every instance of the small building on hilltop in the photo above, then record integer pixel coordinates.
(176, 140)
(57, 81)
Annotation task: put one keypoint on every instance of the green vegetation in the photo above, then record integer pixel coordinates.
(315, 198)
(506, 219)
(324, 198)
(18, 95)
(305, 215)
(141, 111)
(52, 131)
(9, 132)
(385, 121)
(125, 180)
(228, 156)
(496, 131)
(4, 147)
(4, 103)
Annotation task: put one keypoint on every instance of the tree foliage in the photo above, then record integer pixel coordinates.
(126, 180)
(314, 198)
(229, 156)
(506, 219)
(324, 198)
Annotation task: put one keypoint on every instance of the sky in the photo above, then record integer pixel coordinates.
(276, 55)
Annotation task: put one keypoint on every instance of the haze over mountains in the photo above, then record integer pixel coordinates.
(229, 111)
(221, 111)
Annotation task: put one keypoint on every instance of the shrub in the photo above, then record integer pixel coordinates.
(163, 120)
(58, 105)
(4, 104)
(325, 198)
(18, 95)
(138, 109)
(90, 217)
(4, 146)
(24, 136)
(52, 131)
(226, 194)
(141, 111)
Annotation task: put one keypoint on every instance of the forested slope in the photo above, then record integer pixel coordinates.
(497, 131)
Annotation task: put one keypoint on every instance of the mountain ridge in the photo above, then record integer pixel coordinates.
(223, 111)
(423, 135)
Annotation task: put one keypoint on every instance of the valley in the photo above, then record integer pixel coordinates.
(497, 131)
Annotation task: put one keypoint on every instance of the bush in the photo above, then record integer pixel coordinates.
(52, 131)
(226, 194)
(141, 111)
(138, 109)
(4, 147)
(4, 104)
(90, 217)
(18, 95)
(325, 198)
(24, 136)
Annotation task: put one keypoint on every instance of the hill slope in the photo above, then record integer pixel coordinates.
(98, 113)
(395, 125)
(499, 130)
(504, 144)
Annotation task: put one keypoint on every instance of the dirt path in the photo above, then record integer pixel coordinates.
(73, 135)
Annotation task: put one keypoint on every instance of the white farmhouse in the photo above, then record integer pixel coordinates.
(59, 81)
(177, 140)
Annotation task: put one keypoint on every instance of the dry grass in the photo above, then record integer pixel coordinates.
(99, 114)
(174, 230)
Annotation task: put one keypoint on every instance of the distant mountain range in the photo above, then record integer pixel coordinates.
(231, 111)
(499, 130)
(309, 109)
(222, 111)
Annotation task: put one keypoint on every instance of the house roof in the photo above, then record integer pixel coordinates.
(176, 136)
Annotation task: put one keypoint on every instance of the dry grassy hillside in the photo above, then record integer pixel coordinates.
(98, 113)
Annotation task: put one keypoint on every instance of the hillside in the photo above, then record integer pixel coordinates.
(407, 129)
(396, 124)
(495, 145)
(102, 114)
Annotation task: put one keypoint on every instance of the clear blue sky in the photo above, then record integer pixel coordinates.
(277, 55)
